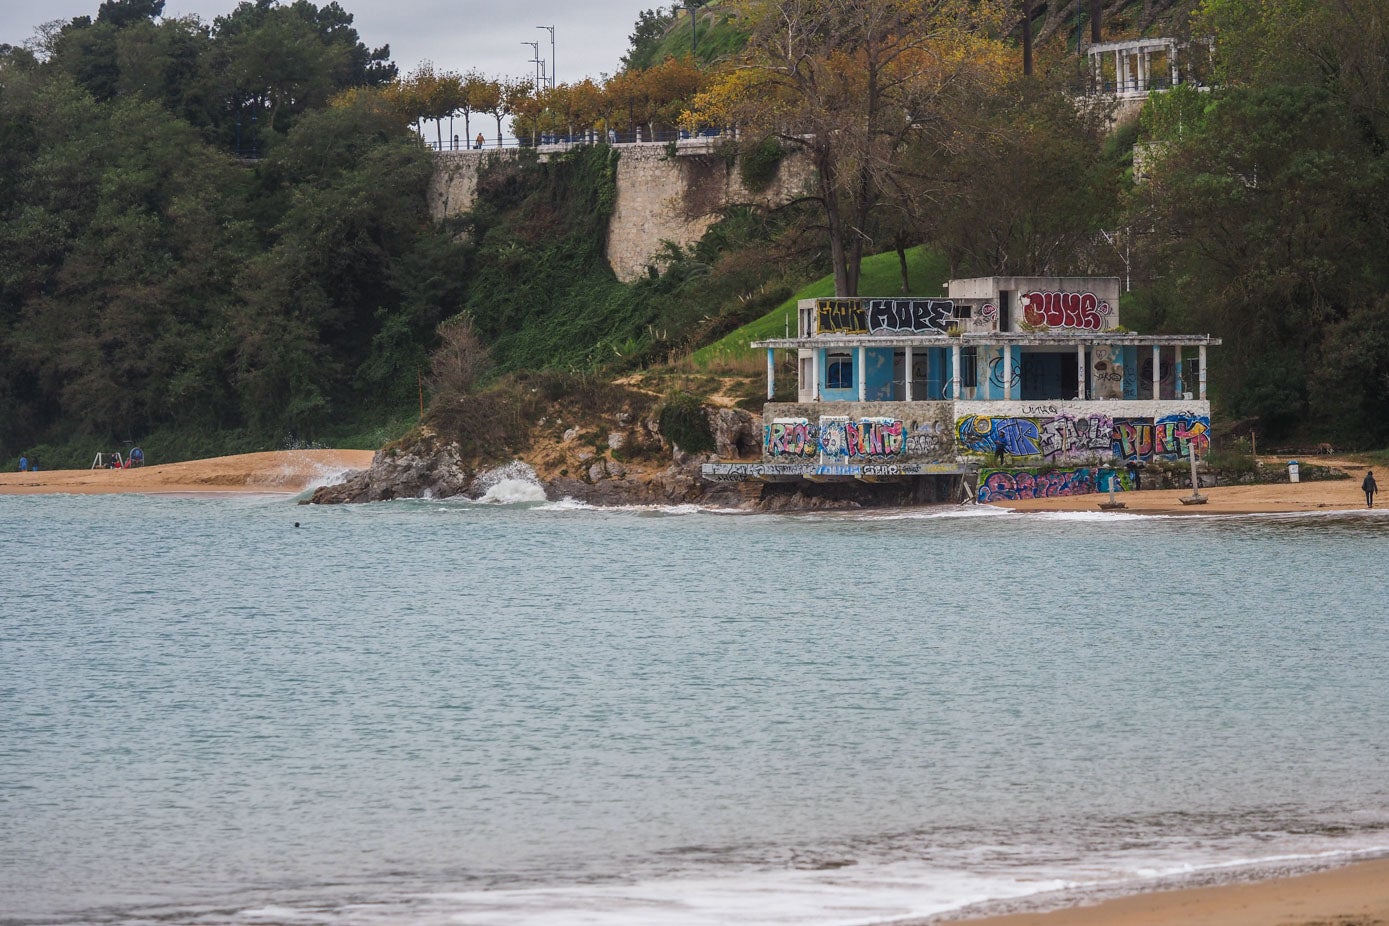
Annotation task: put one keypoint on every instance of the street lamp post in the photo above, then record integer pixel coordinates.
(553, 70)
(535, 50)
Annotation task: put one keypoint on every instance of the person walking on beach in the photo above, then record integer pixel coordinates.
(479, 141)
(1000, 448)
(24, 464)
(1370, 489)
(1135, 474)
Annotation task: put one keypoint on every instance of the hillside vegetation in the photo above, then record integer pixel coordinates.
(208, 247)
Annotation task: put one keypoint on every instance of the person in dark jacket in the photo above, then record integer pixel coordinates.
(1370, 489)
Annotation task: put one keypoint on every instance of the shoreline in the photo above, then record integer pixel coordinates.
(1350, 893)
(289, 472)
(273, 472)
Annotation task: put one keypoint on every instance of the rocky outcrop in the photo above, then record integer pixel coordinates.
(425, 468)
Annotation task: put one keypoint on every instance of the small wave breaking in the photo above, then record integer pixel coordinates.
(516, 483)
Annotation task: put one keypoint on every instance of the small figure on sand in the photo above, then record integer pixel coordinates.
(1135, 470)
(24, 464)
(1000, 448)
(1370, 489)
(478, 142)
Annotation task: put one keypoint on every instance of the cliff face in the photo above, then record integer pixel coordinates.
(664, 193)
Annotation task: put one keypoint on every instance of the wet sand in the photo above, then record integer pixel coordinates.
(1356, 895)
(277, 471)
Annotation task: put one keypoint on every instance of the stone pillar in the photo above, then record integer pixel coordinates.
(863, 374)
(1080, 372)
(771, 374)
(907, 373)
(1157, 372)
(1201, 373)
(1008, 371)
(1172, 62)
(956, 380)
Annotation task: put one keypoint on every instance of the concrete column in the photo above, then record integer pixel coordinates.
(1172, 62)
(863, 374)
(907, 373)
(1080, 372)
(956, 381)
(1008, 371)
(1118, 72)
(771, 374)
(1178, 384)
(1157, 372)
(1201, 373)
(815, 374)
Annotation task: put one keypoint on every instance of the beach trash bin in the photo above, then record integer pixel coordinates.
(1292, 471)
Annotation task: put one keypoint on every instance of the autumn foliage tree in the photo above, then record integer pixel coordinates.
(856, 84)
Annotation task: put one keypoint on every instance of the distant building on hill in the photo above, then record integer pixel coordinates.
(1019, 386)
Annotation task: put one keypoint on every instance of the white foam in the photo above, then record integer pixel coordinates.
(513, 484)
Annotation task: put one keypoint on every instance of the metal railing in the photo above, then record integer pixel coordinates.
(564, 140)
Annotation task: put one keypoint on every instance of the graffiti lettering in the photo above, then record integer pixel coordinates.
(1169, 438)
(882, 316)
(790, 438)
(1082, 311)
(982, 434)
(1064, 436)
(866, 438)
(916, 316)
(1016, 485)
(840, 316)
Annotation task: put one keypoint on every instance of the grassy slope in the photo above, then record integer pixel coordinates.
(720, 35)
(926, 271)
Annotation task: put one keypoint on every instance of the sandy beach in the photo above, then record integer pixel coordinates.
(1356, 895)
(277, 471)
(1331, 495)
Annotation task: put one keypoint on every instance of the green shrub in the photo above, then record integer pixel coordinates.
(759, 164)
(684, 423)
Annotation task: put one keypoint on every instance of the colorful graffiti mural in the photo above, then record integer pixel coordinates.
(999, 485)
(1084, 437)
(867, 438)
(874, 316)
(1082, 311)
(1065, 436)
(1021, 437)
(1168, 438)
(790, 438)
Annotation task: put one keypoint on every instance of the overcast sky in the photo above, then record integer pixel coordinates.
(590, 35)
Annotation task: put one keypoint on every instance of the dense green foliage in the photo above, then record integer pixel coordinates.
(542, 292)
(1269, 201)
(151, 283)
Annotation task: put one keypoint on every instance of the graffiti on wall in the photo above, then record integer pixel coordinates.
(1020, 437)
(886, 316)
(998, 485)
(930, 440)
(1082, 311)
(1058, 437)
(842, 438)
(1168, 438)
(793, 437)
(866, 438)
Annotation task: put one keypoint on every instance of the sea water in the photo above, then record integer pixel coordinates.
(528, 713)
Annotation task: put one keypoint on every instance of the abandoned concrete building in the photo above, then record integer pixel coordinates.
(1016, 387)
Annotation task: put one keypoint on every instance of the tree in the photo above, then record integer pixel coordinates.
(645, 39)
(852, 83)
